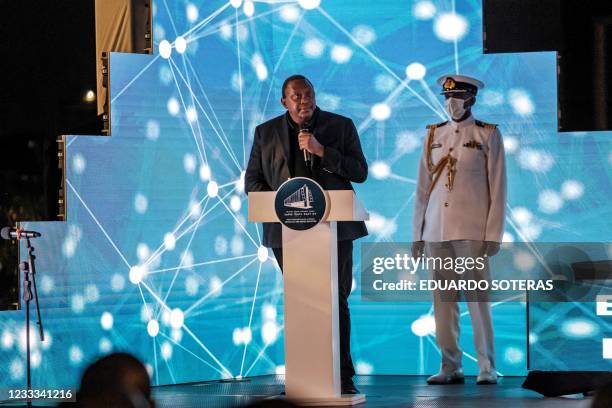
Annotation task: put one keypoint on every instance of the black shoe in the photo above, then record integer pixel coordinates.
(348, 387)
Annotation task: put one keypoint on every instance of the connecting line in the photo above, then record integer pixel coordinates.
(494, 304)
(160, 249)
(155, 296)
(240, 83)
(71, 141)
(278, 62)
(217, 27)
(216, 289)
(205, 21)
(202, 153)
(260, 354)
(170, 17)
(214, 114)
(375, 58)
(402, 178)
(431, 95)
(275, 1)
(455, 45)
(155, 360)
(223, 142)
(391, 97)
(251, 316)
(98, 223)
(239, 223)
(216, 261)
(180, 264)
(192, 353)
(142, 71)
(170, 371)
(144, 302)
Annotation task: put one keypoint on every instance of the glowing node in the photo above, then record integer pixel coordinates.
(491, 98)
(237, 246)
(269, 332)
(511, 144)
(235, 203)
(142, 251)
(572, 189)
(309, 4)
(363, 34)
(384, 83)
(78, 303)
(117, 282)
(416, 71)
(450, 27)
(191, 285)
(166, 350)
(533, 338)
(313, 48)
(136, 274)
(279, 370)
(289, 14)
(173, 106)
(189, 163)
(514, 355)
(524, 261)
(180, 44)
(380, 111)
(177, 335)
(212, 189)
(192, 114)
(165, 49)
(7, 339)
(240, 182)
(522, 215)
(381, 226)
(17, 369)
(341, 54)
(141, 203)
(215, 286)
(78, 163)
(521, 102)
(550, 201)
(380, 170)
(268, 312)
(248, 8)
(205, 173)
(236, 3)
(195, 209)
(75, 355)
(169, 241)
(262, 254)
(260, 68)
(364, 368)
(407, 142)
(192, 13)
(424, 10)
(423, 326)
(507, 237)
(153, 129)
(177, 318)
(579, 328)
(36, 358)
(46, 284)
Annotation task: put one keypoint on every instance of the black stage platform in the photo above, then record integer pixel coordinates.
(381, 391)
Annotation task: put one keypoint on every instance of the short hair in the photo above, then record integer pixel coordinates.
(297, 77)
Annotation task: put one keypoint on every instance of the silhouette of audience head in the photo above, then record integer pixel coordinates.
(117, 380)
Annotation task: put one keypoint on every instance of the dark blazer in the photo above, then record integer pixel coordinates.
(343, 162)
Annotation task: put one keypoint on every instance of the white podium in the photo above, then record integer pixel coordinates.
(310, 267)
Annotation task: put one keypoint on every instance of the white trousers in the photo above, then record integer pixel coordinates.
(446, 308)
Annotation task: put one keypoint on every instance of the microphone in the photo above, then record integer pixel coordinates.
(305, 127)
(16, 233)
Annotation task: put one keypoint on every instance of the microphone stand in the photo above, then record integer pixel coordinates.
(29, 268)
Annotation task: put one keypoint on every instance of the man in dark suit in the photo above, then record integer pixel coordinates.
(337, 160)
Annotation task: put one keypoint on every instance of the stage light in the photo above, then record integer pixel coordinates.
(416, 71)
(450, 27)
(248, 8)
(90, 96)
(180, 44)
(380, 111)
(309, 4)
(341, 54)
(424, 10)
(165, 49)
(106, 321)
(380, 170)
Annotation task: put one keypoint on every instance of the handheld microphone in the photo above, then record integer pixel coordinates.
(305, 127)
(17, 233)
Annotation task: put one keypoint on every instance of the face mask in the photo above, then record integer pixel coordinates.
(455, 107)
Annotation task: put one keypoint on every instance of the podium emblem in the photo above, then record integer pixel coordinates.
(300, 203)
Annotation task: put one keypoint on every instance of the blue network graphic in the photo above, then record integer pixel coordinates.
(157, 258)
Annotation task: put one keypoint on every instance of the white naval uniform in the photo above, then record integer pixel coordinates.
(455, 221)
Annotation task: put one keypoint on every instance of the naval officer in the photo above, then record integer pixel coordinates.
(459, 212)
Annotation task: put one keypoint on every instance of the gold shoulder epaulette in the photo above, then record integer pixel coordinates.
(486, 125)
(437, 125)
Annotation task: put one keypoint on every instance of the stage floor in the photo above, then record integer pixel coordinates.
(381, 391)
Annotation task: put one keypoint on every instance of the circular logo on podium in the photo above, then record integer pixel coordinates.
(300, 203)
